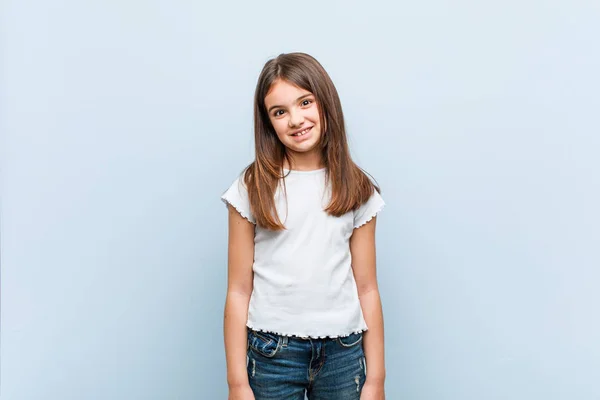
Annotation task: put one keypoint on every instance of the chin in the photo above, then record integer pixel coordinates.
(308, 147)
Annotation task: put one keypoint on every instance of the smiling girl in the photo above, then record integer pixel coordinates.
(302, 286)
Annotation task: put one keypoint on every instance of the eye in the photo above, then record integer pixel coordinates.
(306, 102)
(276, 113)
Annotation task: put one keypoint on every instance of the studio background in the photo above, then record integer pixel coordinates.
(122, 122)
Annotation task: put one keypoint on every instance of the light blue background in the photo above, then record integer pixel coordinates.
(123, 122)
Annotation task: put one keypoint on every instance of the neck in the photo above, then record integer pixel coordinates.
(304, 161)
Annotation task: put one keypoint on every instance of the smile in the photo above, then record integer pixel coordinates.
(301, 133)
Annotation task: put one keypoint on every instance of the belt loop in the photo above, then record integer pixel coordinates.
(284, 343)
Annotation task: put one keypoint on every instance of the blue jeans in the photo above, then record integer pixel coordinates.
(285, 368)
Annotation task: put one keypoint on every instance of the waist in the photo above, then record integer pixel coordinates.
(293, 319)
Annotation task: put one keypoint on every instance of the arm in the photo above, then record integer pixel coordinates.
(239, 289)
(362, 248)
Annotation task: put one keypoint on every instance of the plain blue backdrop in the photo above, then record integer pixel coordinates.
(122, 122)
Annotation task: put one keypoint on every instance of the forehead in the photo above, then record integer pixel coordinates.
(283, 92)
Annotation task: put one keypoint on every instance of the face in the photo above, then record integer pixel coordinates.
(294, 114)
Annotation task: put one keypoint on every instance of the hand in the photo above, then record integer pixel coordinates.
(241, 393)
(372, 391)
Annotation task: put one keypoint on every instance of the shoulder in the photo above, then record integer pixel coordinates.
(372, 202)
(242, 177)
(237, 196)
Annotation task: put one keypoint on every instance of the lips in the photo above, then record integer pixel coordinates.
(301, 132)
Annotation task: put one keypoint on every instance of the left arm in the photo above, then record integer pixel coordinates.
(362, 248)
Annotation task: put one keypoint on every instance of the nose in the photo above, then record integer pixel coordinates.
(296, 119)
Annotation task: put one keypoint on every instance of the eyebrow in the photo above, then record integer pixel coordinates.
(297, 100)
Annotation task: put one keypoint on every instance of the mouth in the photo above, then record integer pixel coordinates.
(302, 132)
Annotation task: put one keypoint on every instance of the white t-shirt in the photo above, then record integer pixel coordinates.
(303, 280)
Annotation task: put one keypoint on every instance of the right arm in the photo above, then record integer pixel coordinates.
(239, 289)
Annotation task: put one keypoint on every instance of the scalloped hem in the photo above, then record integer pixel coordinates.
(371, 217)
(242, 213)
(306, 336)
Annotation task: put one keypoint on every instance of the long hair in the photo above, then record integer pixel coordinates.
(350, 186)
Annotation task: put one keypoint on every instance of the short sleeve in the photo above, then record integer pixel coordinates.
(370, 209)
(237, 196)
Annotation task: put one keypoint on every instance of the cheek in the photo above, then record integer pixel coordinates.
(316, 116)
(280, 127)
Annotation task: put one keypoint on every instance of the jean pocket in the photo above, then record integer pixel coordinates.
(350, 340)
(264, 343)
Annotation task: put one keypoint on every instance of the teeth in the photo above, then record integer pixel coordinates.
(301, 133)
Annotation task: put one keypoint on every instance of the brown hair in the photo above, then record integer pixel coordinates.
(350, 186)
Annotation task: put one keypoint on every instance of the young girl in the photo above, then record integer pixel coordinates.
(302, 285)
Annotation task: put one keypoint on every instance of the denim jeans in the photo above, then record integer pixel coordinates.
(287, 368)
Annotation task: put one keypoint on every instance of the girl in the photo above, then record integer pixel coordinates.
(302, 286)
